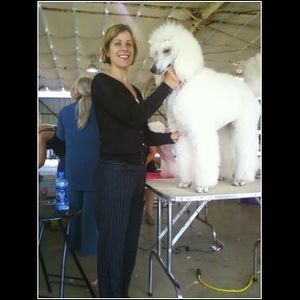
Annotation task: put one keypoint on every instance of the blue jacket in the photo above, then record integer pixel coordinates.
(82, 147)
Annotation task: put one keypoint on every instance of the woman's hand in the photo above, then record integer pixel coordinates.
(175, 136)
(171, 79)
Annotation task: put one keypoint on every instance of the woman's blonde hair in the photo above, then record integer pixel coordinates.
(109, 35)
(84, 103)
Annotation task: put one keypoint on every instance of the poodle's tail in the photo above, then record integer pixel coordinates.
(252, 74)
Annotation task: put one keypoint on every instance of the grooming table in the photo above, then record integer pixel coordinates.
(167, 191)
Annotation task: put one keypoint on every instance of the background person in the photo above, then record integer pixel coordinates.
(78, 128)
(48, 140)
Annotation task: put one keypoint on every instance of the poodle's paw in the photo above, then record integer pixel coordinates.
(239, 182)
(258, 175)
(184, 185)
(201, 189)
(221, 178)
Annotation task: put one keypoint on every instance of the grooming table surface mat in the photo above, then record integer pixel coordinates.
(167, 189)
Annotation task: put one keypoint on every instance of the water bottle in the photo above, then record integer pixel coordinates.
(62, 202)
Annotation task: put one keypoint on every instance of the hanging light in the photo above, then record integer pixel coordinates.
(92, 68)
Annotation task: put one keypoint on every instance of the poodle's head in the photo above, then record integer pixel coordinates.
(171, 45)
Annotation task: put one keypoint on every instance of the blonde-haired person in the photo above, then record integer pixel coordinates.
(77, 126)
(119, 177)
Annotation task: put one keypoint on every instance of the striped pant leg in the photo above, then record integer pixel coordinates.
(133, 229)
(115, 185)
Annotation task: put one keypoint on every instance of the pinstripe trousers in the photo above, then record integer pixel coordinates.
(119, 201)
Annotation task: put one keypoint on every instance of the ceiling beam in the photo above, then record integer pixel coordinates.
(104, 27)
(210, 9)
(76, 35)
(205, 14)
(43, 19)
(235, 55)
(139, 12)
(114, 13)
(210, 34)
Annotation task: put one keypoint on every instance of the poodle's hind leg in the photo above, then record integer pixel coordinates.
(245, 140)
(206, 159)
(184, 159)
(227, 153)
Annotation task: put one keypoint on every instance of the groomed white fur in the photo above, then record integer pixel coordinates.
(252, 74)
(215, 113)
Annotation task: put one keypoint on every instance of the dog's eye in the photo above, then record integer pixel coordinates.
(166, 51)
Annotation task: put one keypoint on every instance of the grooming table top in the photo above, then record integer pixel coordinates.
(168, 190)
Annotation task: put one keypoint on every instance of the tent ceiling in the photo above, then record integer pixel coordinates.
(70, 35)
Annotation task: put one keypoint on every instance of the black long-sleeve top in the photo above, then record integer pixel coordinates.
(122, 121)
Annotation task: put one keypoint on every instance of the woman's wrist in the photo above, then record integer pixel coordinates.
(168, 86)
(175, 136)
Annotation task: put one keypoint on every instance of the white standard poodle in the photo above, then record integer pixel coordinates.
(216, 114)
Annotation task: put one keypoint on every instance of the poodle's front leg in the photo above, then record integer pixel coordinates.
(184, 160)
(206, 159)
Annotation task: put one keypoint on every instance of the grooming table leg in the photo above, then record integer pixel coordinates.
(216, 246)
(255, 260)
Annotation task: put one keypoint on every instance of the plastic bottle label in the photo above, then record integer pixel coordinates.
(62, 202)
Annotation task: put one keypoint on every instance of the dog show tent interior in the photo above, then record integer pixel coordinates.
(167, 192)
(70, 36)
(69, 39)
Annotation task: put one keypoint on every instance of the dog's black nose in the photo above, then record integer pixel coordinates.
(154, 70)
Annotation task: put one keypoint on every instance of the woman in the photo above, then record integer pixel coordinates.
(78, 128)
(119, 177)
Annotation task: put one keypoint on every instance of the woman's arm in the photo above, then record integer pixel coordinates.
(158, 139)
(44, 136)
(151, 154)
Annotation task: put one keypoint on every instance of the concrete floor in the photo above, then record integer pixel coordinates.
(237, 225)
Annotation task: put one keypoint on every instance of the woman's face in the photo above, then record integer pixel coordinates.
(121, 51)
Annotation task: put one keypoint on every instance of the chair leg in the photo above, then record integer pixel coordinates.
(68, 246)
(41, 258)
(43, 265)
(63, 263)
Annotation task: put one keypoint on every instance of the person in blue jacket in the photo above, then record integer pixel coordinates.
(77, 126)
